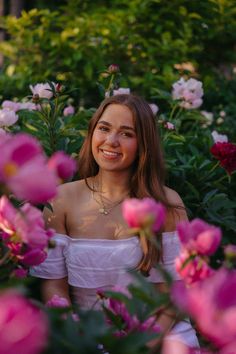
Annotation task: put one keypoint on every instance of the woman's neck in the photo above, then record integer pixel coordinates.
(112, 185)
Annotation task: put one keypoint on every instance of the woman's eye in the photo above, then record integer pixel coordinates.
(129, 135)
(103, 129)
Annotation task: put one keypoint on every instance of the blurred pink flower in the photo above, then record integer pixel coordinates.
(57, 301)
(7, 117)
(199, 237)
(212, 304)
(63, 165)
(154, 108)
(169, 126)
(20, 273)
(141, 213)
(43, 90)
(69, 110)
(2, 132)
(11, 105)
(28, 105)
(189, 93)
(219, 138)
(113, 69)
(24, 232)
(121, 91)
(23, 326)
(192, 269)
(23, 168)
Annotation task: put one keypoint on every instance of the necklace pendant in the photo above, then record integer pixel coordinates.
(103, 211)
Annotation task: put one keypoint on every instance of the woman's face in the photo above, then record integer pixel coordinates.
(114, 140)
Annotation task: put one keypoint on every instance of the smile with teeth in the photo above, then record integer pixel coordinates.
(110, 153)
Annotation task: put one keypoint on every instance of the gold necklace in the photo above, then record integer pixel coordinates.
(106, 209)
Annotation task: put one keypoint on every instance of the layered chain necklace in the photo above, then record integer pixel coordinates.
(106, 208)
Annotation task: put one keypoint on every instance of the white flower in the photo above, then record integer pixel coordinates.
(189, 93)
(7, 117)
(121, 91)
(209, 117)
(43, 90)
(154, 108)
(219, 138)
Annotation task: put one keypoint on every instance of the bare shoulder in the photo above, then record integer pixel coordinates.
(56, 215)
(177, 213)
(173, 197)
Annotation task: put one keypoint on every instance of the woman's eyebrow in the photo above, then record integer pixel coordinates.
(121, 127)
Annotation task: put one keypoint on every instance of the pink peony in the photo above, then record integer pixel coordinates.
(23, 326)
(141, 213)
(23, 168)
(7, 117)
(69, 110)
(11, 105)
(192, 269)
(189, 93)
(212, 304)
(62, 164)
(121, 91)
(154, 108)
(57, 301)
(42, 90)
(24, 232)
(199, 237)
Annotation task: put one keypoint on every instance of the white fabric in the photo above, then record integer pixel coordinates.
(91, 264)
(94, 263)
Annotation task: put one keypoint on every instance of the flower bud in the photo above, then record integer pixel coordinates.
(35, 98)
(113, 69)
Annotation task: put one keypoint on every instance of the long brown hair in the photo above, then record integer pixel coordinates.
(148, 173)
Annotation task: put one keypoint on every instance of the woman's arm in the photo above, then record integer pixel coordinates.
(56, 219)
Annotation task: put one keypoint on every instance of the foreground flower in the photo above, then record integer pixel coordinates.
(23, 327)
(64, 165)
(192, 269)
(226, 154)
(198, 236)
(24, 232)
(57, 301)
(142, 213)
(42, 90)
(189, 93)
(212, 304)
(23, 169)
(7, 117)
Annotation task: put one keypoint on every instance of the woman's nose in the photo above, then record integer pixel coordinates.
(113, 139)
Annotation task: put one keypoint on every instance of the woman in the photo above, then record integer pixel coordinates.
(120, 158)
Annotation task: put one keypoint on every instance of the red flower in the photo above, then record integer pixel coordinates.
(226, 154)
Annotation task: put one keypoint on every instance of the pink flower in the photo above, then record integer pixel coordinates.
(219, 138)
(141, 213)
(7, 117)
(28, 105)
(212, 304)
(62, 164)
(154, 108)
(198, 236)
(23, 169)
(11, 105)
(24, 232)
(42, 90)
(121, 91)
(189, 93)
(69, 110)
(57, 301)
(23, 326)
(20, 273)
(192, 269)
(169, 126)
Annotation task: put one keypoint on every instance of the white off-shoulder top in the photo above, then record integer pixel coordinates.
(92, 264)
(96, 263)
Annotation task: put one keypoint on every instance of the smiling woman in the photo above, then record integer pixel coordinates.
(120, 158)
